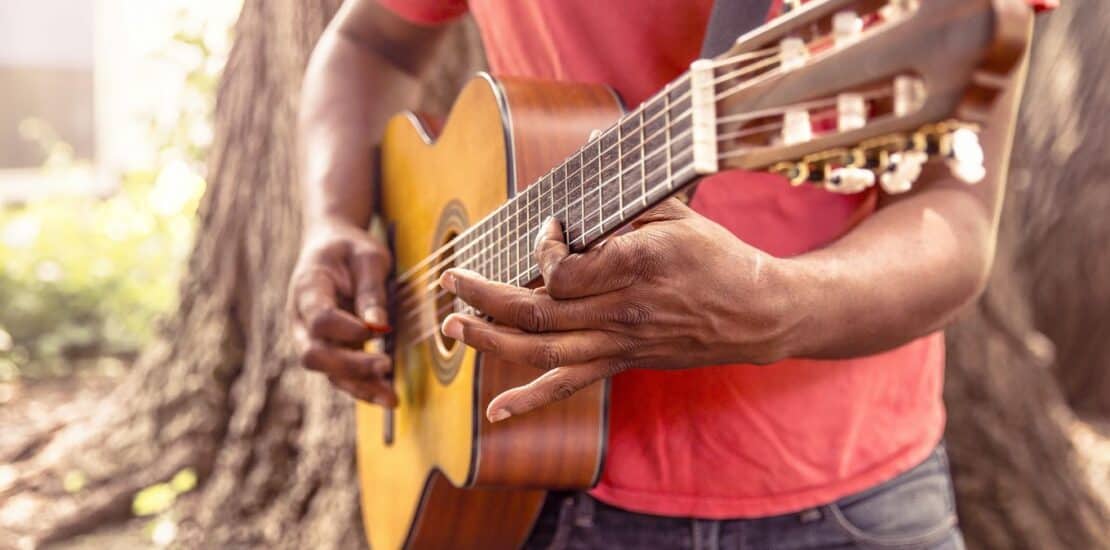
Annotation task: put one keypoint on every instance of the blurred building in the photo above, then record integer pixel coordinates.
(81, 84)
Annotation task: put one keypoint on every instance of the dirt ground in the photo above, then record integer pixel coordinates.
(31, 406)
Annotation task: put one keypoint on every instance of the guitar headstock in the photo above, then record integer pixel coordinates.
(849, 93)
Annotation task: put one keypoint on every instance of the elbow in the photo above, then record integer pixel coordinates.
(974, 273)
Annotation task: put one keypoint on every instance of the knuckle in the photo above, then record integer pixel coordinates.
(561, 388)
(373, 255)
(632, 314)
(530, 315)
(319, 323)
(312, 356)
(547, 356)
(483, 340)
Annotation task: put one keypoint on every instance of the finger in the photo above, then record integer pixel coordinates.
(543, 351)
(370, 267)
(372, 391)
(554, 385)
(613, 265)
(345, 363)
(336, 325)
(528, 310)
(550, 247)
(314, 294)
(670, 209)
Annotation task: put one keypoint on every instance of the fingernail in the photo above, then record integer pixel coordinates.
(383, 401)
(499, 415)
(447, 281)
(542, 233)
(375, 319)
(452, 327)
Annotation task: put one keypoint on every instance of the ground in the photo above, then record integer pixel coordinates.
(23, 405)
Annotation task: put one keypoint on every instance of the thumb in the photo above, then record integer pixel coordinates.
(369, 268)
(554, 385)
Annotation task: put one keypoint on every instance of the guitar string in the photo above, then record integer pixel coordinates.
(643, 123)
(617, 145)
(431, 327)
(519, 279)
(879, 93)
(417, 292)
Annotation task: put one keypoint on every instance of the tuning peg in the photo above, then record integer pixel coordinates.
(965, 157)
(849, 179)
(902, 171)
(796, 126)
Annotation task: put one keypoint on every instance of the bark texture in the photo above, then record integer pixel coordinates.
(1040, 336)
(1062, 175)
(220, 393)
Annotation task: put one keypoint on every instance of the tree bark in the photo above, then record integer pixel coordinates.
(219, 391)
(1045, 317)
(273, 445)
(1062, 180)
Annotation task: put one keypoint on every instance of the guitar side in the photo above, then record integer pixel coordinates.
(449, 478)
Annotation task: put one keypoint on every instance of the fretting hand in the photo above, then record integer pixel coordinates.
(678, 291)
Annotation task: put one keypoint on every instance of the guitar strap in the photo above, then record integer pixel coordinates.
(730, 19)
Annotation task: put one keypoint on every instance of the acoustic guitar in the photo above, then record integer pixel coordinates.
(843, 94)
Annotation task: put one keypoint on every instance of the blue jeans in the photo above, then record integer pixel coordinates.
(915, 510)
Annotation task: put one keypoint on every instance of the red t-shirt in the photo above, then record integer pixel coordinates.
(738, 440)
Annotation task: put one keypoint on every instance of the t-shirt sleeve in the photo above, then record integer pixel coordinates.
(426, 12)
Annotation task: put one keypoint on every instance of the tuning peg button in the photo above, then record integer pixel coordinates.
(902, 171)
(849, 179)
(965, 160)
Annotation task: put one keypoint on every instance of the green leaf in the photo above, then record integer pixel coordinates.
(74, 481)
(154, 499)
(184, 481)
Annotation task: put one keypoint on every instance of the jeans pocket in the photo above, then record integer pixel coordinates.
(914, 510)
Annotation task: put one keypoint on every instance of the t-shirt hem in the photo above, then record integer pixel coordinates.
(715, 507)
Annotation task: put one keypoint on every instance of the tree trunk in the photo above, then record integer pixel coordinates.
(1062, 172)
(220, 392)
(1018, 479)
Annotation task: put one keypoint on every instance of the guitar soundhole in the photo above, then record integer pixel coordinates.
(445, 301)
(447, 354)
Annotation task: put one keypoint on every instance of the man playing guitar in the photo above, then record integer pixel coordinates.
(820, 423)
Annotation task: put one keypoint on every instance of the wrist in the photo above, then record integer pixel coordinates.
(787, 293)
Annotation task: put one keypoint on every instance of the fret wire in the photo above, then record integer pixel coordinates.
(666, 132)
(620, 165)
(413, 270)
(582, 195)
(643, 147)
(599, 180)
(530, 271)
(523, 242)
(523, 256)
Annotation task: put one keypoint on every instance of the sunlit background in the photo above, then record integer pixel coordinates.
(104, 125)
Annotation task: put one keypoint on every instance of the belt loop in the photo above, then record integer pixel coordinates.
(584, 511)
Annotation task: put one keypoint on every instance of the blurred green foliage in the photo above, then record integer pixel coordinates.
(83, 278)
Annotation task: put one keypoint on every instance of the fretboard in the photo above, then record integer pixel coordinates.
(631, 166)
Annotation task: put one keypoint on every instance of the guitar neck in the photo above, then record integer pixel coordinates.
(642, 159)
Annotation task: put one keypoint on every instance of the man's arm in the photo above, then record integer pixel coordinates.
(909, 268)
(365, 68)
(681, 291)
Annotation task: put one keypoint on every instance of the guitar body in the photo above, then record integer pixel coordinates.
(433, 472)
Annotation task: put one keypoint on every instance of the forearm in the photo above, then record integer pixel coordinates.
(908, 269)
(351, 88)
(901, 274)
